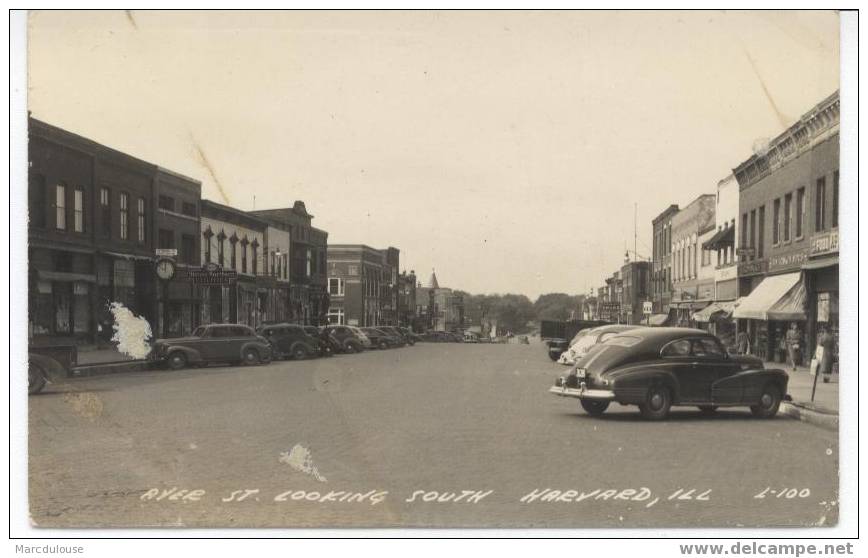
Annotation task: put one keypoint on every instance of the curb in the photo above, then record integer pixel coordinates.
(805, 412)
(109, 368)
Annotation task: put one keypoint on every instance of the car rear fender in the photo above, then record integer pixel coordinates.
(631, 383)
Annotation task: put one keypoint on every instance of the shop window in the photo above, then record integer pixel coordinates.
(820, 205)
(81, 307)
(60, 205)
(36, 195)
(62, 308)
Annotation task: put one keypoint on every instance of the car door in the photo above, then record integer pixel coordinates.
(209, 345)
(709, 361)
(679, 361)
(727, 387)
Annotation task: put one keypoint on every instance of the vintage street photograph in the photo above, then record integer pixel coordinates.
(434, 269)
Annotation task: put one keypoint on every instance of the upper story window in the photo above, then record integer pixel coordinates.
(800, 212)
(307, 261)
(165, 238)
(761, 232)
(233, 252)
(188, 249)
(336, 286)
(207, 235)
(140, 220)
(166, 202)
(105, 209)
(820, 205)
(78, 210)
(244, 255)
(255, 246)
(835, 179)
(221, 241)
(188, 208)
(60, 204)
(788, 216)
(36, 194)
(776, 221)
(125, 216)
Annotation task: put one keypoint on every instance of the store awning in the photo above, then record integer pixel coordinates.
(128, 256)
(68, 277)
(658, 319)
(779, 297)
(716, 311)
(723, 237)
(820, 263)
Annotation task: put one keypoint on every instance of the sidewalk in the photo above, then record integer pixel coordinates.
(823, 410)
(94, 361)
(91, 354)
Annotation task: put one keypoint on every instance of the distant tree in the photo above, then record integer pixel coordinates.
(559, 306)
(513, 312)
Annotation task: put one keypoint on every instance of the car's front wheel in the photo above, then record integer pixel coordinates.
(299, 353)
(250, 357)
(657, 403)
(594, 408)
(36, 378)
(177, 360)
(769, 402)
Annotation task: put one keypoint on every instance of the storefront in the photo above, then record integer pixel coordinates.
(770, 309)
(717, 319)
(822, 283)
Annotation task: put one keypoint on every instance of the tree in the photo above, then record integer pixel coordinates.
(558, 306)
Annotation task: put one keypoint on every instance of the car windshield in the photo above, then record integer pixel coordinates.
(622, 341)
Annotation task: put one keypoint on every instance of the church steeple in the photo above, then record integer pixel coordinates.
(432, 282)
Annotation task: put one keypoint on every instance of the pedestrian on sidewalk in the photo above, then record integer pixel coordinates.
(743, 343)
(794, 339)
(827, 342)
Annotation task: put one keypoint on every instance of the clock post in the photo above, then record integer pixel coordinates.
(164, 269)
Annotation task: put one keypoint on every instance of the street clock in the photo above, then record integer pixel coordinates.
(165, 269)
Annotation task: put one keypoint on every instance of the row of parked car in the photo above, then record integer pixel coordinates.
(240, 344)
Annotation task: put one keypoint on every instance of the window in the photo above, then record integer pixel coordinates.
(835, 200)
(286, 266)
(336, 286)
(706, 258)
(707, 347)
(233, 252)
(60, 204)
(761, 232)
(308, 260)
(78, 210)
(105, 209)
(207, 235)
(244, 256)
(255, 247)
(788, 216)
(353, 270)
(125, 216)
(336, 316)
(188, 208)
(140, 219)
(776, 223)
(221, 241)
(753, 231)
(677, 348)
(36, 200)
(800, 212)
(820, 205)
(188, 249)
(165, 238)
(167, 203)
(743, 231)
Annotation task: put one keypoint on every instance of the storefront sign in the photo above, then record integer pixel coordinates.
(753, 268)
(726, 273)
(786, 261)
(824, 243)
(212, 274)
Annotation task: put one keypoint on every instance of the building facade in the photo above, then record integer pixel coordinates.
(89, 234)
(692, 265)
(635, 291)
(363, 285)
(234, 240)
(439, 308)
(661, 261)
(308, 270)
(177, 200)
(407, 298)
(788, 233)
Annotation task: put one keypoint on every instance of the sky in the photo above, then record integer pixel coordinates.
(506, 150)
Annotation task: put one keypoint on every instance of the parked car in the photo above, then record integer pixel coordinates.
(47, 363)
(350, 339)
(233, 343)
(290, 341)
(409, 336)
(380, 339)
(405, 337)
(325, 345)
(656, 368)
(587, 338)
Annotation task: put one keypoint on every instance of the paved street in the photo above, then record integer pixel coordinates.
(383, 428)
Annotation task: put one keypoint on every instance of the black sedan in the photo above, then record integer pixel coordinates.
(656, 368)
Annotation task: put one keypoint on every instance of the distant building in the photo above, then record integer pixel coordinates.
(308, 297)
(692, 265)
(439, 307)
(661, 262)
(635, 291)
(363, 285)
(406, 298)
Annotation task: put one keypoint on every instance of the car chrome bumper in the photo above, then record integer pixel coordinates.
(583, 393)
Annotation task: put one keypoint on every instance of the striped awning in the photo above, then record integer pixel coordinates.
(779, 297)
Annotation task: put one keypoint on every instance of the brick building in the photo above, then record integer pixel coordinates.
(363, 285)
(788, 232)
(661, 265)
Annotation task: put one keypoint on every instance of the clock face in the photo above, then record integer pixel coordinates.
(165, 269)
